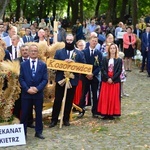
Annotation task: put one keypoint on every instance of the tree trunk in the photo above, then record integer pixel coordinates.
(68, 10)
(41, 9)
(111, 12)
(123, 11)
(25, 6)
(97, 8)
(81, 11)
(18, 9)
(134, 5)
(54, 9)
(75, 10)
(3, 4)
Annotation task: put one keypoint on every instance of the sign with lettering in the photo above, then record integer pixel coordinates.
(70, 66)
(11, 135)
(120, 35)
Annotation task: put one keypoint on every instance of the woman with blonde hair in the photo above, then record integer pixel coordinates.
(109, 40)
(109, 102)
(80, 46)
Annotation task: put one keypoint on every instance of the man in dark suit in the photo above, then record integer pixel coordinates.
(34, 34)
(33, 79)
(27, 38)
(66, 55)
(24, 56)
(93, 57)
(138, 31)
(14, 49)
(17, 107)
(145, 47)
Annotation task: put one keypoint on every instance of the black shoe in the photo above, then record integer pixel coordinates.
(52, 124)
(141, 71)
(105, 118)
(95, 116)
(31, 126)
(81, 114)
(66, 123)
(111, 118)
(148, 75)
(40, 136)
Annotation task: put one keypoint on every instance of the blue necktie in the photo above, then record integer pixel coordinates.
(33, 68)
(25, 59)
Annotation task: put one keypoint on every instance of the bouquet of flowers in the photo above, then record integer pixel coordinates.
(96, 62)
(73, 56)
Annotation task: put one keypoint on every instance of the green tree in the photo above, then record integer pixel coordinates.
(3, 5)
(114, 9)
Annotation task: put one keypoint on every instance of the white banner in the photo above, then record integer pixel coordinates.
(11, 135)
(120, 35)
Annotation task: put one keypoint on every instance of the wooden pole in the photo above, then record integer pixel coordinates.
(55, 31)
(63, 105)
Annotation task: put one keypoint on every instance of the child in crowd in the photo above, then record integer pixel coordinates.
(123, 75)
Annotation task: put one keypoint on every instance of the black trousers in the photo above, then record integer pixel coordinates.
(145, 55)
(27, 105)
(59, 94)
(94, 87)
(17, 111)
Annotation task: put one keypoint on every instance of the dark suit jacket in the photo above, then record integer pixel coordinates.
(145, 42)
(35, 38)
(62, 55)
(140, 33)
(9, 48)
(39, 81)
(7, 55)
(25, 39)
(96, 67)
(117, 70)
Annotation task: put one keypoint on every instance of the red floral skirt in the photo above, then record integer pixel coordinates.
(109, 102)
(78, 93)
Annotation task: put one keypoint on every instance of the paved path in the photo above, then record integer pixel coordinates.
(130, 132)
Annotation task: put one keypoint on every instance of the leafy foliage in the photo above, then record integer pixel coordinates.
(58, 8)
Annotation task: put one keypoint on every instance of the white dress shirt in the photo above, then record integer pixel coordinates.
(71, 52)
(13, 52)
(35, 63)
(91, 50)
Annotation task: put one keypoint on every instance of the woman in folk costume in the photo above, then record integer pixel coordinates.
(80, 46)
(109, 102)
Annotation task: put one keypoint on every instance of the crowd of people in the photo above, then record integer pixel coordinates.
(109, 49)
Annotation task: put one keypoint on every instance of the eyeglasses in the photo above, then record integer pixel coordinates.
(80, 45)
(69, 40)
(33, 51)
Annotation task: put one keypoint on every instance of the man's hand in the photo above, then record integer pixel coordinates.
(32, 90)
(89, 76)
(69, 60)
